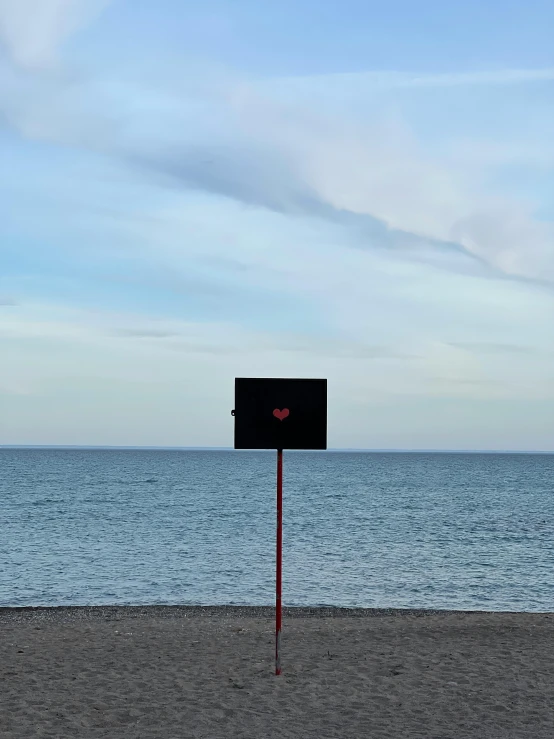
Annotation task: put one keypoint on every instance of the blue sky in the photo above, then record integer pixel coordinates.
(360, 191)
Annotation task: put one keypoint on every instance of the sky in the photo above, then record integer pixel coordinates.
(361, 191)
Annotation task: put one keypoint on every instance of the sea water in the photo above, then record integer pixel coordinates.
(447, 531)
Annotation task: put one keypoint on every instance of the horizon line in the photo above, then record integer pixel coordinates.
(360, 450)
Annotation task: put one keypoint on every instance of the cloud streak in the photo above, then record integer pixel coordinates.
(252, 175)
(389, 80)
(59, 323)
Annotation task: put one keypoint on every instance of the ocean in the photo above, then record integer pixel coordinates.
(414, 530)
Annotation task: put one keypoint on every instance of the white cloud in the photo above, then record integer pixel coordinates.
(381, 170)
(363, 294)
(508, 236)
(32, 31)
(258, 148)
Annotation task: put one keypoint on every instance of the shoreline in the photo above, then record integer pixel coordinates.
(115, 612)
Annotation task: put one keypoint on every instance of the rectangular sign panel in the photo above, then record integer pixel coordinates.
(273, 413)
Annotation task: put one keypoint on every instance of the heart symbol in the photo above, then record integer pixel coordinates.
(281, 415)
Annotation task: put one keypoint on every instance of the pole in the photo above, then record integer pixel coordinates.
(279, 568)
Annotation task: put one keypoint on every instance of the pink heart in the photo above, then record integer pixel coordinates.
(281, 415)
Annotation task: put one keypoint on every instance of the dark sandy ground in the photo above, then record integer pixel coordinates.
(178, 672)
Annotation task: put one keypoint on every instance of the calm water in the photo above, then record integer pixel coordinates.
(137, 527)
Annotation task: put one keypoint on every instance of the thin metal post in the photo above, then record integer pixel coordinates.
(279, 568)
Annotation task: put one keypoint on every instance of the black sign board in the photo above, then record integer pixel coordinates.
(273, 413)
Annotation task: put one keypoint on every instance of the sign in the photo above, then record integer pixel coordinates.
(280, 414)
(285, 413)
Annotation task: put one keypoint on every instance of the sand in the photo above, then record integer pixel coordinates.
(141, 673)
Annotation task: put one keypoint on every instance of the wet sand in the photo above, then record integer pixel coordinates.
(178, 672)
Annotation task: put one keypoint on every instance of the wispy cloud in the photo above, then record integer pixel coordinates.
(59, 323)
(145, 333)
(245, 141)
(247, 173)
(488, 347)
(390, 80)
(31, 31)
(375, 180)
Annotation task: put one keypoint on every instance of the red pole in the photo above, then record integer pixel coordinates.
(279, 569)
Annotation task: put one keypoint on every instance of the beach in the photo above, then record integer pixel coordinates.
(173, 672)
